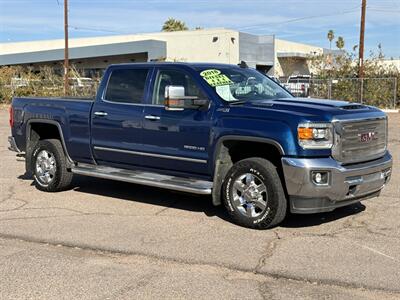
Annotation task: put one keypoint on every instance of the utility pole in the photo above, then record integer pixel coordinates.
(66, 59)
(361, 48)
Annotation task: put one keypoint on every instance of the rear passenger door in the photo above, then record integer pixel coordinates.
(117, 117)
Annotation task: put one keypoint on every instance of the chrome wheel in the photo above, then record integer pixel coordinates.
(45, 167)
(250, 195)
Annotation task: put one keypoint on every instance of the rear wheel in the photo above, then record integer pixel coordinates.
(253, 194)
(49, 166)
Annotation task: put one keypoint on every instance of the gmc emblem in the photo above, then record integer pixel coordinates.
(367, 137)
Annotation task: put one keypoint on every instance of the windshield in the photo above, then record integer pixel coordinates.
(239, 84)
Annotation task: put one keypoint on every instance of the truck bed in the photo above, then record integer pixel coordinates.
(72, 115)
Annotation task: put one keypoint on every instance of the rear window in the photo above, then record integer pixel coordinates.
(127, 85)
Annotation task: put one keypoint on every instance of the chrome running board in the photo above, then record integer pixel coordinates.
(182, 184)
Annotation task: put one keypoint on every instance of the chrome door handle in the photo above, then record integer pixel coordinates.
(153, 118)
(100, 113)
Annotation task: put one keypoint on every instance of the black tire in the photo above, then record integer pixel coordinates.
(274, 196)
(61, 179)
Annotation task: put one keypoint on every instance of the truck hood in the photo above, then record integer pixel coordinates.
(311, 101)
(311, 109)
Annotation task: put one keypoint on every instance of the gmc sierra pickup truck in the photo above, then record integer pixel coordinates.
(223, 130)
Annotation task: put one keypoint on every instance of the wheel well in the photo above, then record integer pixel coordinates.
(232, 151)
(239, 150)
(37, 132)
(42, 131)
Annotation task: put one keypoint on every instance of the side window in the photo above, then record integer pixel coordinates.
(174, 77)
(126, 85)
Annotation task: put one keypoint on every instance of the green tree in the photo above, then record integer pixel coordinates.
(340, 43)
(330, 36)
(174, 25)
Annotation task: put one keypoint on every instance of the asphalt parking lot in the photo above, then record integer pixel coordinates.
(109, 240)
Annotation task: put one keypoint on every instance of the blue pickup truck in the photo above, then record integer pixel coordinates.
(223, 130)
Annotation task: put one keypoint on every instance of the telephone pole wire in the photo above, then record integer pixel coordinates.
(66, 58)
(361, 46)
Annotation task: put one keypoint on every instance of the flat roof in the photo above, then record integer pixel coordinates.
(154, 48)
(292, 54)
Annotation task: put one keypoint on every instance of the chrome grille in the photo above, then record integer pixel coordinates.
(358, 141)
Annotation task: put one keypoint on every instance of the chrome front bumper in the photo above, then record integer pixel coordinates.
(347, 184)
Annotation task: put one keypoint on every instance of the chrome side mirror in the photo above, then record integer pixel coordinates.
(175, 99)
(174, 92)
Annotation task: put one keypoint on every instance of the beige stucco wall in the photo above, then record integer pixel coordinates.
(199, 46)
(191, 46)
(298, 65)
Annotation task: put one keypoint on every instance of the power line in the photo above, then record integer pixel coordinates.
(385, 10)
(301, 19)
(93, 29)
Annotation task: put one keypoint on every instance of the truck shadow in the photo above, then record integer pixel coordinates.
(297, 220)
(149, 195)
(196, 203)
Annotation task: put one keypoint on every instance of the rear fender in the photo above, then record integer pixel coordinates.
(32, 138)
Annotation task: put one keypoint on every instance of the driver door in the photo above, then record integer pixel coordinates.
(176, 140)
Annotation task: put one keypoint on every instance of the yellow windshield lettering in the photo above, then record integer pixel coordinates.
(215, 78)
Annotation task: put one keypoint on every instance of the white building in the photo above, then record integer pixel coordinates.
(264, 52)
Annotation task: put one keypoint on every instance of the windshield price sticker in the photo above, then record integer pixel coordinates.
(215, 77)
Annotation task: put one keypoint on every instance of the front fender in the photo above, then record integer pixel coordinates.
(277, 133)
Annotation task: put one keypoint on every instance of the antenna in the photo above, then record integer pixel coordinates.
(243, 64)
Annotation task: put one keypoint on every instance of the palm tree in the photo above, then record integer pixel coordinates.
(340, 43)
(331, 36)
(174, 25)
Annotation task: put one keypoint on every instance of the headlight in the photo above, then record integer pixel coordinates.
(315, 135)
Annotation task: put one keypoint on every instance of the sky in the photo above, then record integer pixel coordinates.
(306, 21)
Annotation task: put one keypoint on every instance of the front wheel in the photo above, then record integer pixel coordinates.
(49, 166)
(253, 194)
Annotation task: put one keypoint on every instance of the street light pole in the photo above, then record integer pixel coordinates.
(66, 59)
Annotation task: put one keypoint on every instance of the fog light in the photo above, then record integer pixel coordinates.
(320, 178)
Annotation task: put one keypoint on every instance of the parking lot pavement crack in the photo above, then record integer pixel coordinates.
(356, 223)
(351, 241)
(23, 208)
(138, 284)
(166, 208)
(34, 218)
(265, 292)
(9, 195)
(330, 282)
(55, 207)
(269, 251)
(228, 268)
(377, 252)
(75, 213)
(15, 208)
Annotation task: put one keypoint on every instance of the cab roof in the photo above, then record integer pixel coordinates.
(195, 66)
